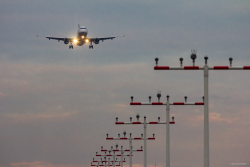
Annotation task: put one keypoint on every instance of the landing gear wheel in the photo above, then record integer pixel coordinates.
(90, 46)
(70, 46)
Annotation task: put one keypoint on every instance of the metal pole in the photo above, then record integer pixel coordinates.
(109, 162)
(167, 135)
(130, 153)
(206, 118)
(145, 144)
(121, 157)
(113, 159)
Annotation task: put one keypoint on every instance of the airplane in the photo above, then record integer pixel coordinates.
(81, 38)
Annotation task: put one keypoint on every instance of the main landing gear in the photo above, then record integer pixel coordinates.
(90, 46)
(70, 46)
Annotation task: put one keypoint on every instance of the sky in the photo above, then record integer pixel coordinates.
(58, 104)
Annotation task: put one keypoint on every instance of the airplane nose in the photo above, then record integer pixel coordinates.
(85, 31)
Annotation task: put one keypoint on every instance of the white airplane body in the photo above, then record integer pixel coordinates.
(81, 38)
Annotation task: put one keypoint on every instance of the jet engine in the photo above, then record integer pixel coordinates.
(66, 40)
(96, 41)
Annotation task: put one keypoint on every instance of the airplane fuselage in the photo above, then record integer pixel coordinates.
(82, 33)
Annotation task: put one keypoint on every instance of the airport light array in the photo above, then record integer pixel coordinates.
(114, 155)
(130, 141)
(167, 118)
(104, 161)
(145, 130)
(130, 150)
(205, 103)
(206, 69)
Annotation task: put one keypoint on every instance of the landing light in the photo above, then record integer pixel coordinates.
(87, 40)
(75, 40)
(82, 37)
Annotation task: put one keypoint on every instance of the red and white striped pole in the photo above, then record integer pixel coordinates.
(141, 123)
(132, 138)
(167, 117)
(200, 68)
(206, 69)
(162, 103)
(145, 131)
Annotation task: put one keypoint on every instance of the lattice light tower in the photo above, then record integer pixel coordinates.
(206, 69)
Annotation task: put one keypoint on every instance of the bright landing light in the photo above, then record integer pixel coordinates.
(75, 40)
(86, 40)
(82, 37)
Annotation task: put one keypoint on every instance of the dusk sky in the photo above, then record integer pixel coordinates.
(58, 104)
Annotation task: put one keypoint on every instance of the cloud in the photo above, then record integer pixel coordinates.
(57, 104)
(19, 119)
(216, 118)
(2, 94)
(67, 103)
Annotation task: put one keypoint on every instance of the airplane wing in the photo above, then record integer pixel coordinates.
(81, 41)
(104, 38)
(57, 38)
(72, 39)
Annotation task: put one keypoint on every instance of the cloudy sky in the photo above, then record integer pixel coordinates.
(57, 104)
